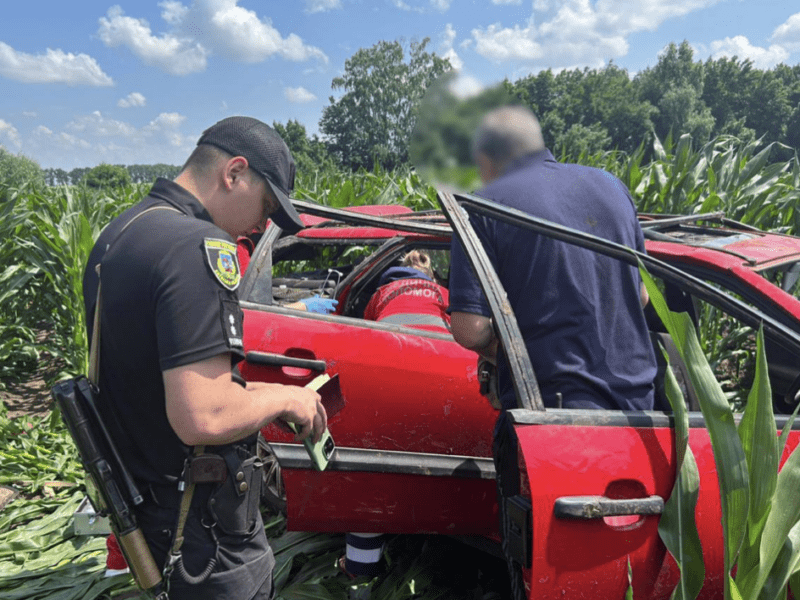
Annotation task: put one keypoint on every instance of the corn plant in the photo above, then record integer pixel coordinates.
(760, 505)
(725, 174)
(47, 234)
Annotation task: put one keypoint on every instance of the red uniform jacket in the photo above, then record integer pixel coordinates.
(411, 302)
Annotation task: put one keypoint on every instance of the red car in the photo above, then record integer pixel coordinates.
(413, 440)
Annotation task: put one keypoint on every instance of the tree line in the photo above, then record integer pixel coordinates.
(111, 173)
(583, 111)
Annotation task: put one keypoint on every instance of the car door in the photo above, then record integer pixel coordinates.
(593, 483)
(413, 439)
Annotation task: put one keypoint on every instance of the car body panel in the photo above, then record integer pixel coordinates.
(420, 386)
(731, 254)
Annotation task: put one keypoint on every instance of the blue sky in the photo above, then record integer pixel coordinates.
(95, 81)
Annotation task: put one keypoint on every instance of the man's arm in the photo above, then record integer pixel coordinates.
(476, 333)
(205, 406)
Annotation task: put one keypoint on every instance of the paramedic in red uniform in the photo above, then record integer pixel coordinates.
(408, 295)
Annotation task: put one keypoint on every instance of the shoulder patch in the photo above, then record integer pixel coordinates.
(223, 261)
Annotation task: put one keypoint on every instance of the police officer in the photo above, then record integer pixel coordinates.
(171, 329)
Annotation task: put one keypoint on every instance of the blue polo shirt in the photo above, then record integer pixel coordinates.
(579, 311)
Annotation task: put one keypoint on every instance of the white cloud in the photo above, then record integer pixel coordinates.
(506, 1)
(206, 27)
(298, 95)
(240, 34)
(167, 126)
(740, 46)
(788, 33)
(97, 125)
(465, 86)
(441, 5)
(132, 99)
(567, 33)
(446, 47)
(407, 7)
(173, 12)
(54, 66)
(178, 55)
(94, 138)
(9, 132)
(315, 6)
(501, 44)
(30, 114)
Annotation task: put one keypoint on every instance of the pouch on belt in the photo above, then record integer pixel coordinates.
(234, 503)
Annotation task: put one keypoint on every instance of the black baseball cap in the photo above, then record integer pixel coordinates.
(266, 153)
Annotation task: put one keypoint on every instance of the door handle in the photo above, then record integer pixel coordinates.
(597, 507)
(280, 360)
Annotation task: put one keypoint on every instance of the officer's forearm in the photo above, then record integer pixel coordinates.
(204, 406)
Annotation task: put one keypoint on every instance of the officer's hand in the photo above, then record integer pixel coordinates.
(307, 413)
(317, 304)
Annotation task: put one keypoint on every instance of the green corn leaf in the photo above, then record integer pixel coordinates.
(629, 592)
(786, 563)
(782, 518)
(678, 527)
(787, 429)
(759, 439)
(729, 456)
(735, 594)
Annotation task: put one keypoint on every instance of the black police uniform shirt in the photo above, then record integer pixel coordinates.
(578, 311)
(169, 299)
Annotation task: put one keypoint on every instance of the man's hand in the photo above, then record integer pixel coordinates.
(305, 410)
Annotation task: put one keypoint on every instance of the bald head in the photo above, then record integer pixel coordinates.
(504, 135)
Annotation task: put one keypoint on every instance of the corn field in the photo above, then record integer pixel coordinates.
(46, 234)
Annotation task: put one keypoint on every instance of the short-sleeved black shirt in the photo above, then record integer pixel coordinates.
(163, 307)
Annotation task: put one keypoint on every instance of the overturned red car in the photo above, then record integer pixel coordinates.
(413, 437)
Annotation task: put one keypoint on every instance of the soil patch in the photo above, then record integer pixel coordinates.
(31, 396)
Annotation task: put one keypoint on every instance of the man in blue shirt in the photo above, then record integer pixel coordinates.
(580, 312)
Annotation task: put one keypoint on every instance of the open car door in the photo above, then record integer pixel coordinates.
(591, 485)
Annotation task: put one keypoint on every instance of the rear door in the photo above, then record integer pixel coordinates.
(413, 438)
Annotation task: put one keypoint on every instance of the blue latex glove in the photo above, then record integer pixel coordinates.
(323, 306)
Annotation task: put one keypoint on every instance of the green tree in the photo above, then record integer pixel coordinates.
(675, 87)
(791, 79)
(604, 101)
(727, 91)
(310, 153)
(105, 176)
(373, 120)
